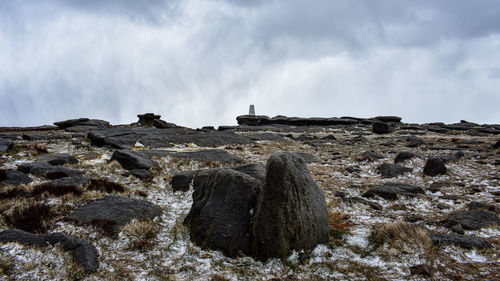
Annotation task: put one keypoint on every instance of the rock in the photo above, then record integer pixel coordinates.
(370, 156)
(291, 209)
(62, 186)
(5, 144)
(391, 190)
(395, 119)
(160, 124)
(473, 219)
(14, 177)
(212, 155)
(353, 169)
(45, 136)
(414, 141)
(458, 229)
(83, 253)
(82, 123)
(142, 174)
(388, 170)
(252, 120)
(114, 211)
(131, 160)
(182, 181)
(44, 169)
(451, 158)
(434, 167)
(496, 145)
(147, 119)
(403, 156)
(372, 204)
(58, 159)
(421, 269)
(266, 137)
(382, 128)
(257, 171)
(462, 126)
(70, 123)
(220, 217)
(466, 242)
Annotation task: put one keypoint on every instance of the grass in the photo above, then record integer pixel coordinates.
(6, 266)
(339, 226)
(141, 233)
(105, 185)
(32, 216)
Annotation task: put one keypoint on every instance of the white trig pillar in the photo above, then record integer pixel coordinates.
(251, 110)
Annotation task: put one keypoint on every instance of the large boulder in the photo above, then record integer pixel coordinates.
(131, 160)
(291, 210)
(83, 253)
(220, 217)
(114, 211)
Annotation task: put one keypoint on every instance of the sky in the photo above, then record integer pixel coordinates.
(200, 63)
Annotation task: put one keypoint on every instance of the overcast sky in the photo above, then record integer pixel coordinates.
(203, 62)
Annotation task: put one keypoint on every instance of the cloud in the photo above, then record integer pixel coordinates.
(203, 62)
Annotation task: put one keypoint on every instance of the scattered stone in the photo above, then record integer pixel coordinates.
(436, 186)
(266, 137)
(388, 170)
(464, 241)
(83, 253)
(82, 124)
(114, 211)
(391, 190)
(374, 205)
(5, 144)
(58, 159)
(382, 128)
(44, 169)
(291, 209)
(182, 181)
(474, 205)
(131, 160)
(403, 156)
(473, 219)
(37, 136)
(14, 177)
(220, 217)
(434, 167)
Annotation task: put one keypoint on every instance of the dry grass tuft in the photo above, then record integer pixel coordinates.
(56, 190)
(31, 216)
(403, 231)
(6, 266)
(141, 233)
(339, 225)
(105, 185)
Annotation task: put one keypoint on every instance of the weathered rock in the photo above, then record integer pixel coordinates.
(467, 242)
(114, 211)
(391, 190)
(57, 159)
(291, 209)
(62, 186)
(181, 181)
(257, 171)
(372, 204)
(5, 144)
(82, 123)
(388, 170)
(473, 219)
(451, 158)
(403, 156)
(414, 141)
(160, 124)
(131, 160)
(252, 120)
(370, 156)
(44, 169)
(14, 177)
(70, 123)
(421, 269)
(395, 119)
(212, 155)
(83, 253)
(220, 217)
(382, 128)
(148, 119)
(44, 136)
(266, 137)
(462, 126)
(434, 167)
(142, 174)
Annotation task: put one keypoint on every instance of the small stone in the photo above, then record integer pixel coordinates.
(403, 156)
(434, 167)
(388, 170)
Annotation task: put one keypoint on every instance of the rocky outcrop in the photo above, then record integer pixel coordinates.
(131, 160)
(83, 253)
(291, 209)
(114, 211)
(212, 155)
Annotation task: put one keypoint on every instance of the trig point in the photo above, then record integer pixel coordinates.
(251, 110)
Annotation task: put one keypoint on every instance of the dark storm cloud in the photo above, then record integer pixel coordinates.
(198, 62)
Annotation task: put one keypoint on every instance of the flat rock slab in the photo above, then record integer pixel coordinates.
(473, 219)
(122, 137)
(388, 170)
(83, 253)
(5, 144)
(58, 159)
(14, 177)
(114, 211)
(131, 160)
(463, 241)
(390, 191)
(82, 123)
(44, 169)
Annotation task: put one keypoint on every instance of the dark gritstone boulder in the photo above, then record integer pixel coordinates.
(388, 170)
(44, 169)
(473, 219)
(403, 156)
(131, 160)
(463, 241)
(382, 128)
(395, 119)
(148, 119)
(181, 181)
(84, 124)
(5, 144)
(434, 167)
(374, 205)
(58, 159)
(14, 177)
(414, 141)
(83, 253)
(390, 191)
(114, 211)
(121, 137)
(142, 174)
(220, 217)
(160, 124)
(496, 145)
(291, 210)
